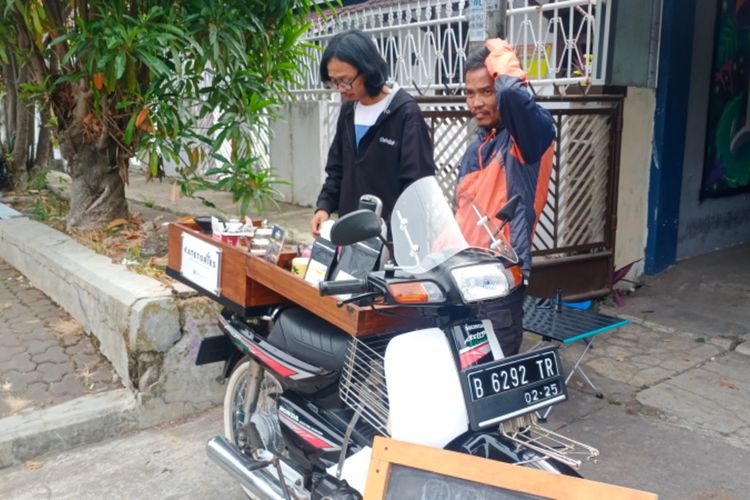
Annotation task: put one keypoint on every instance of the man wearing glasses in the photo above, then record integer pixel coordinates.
(381, 143)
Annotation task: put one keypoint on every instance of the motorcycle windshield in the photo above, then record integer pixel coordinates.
(425, 232)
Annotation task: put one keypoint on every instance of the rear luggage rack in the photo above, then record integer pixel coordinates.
(525, 431)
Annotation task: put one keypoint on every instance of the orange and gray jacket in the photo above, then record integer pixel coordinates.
(513, 158)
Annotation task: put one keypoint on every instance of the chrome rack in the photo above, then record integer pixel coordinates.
(525, 431)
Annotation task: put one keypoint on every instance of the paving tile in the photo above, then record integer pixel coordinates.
(53, 372)
(45, 357)
(19, 381)
(53, 354)
(7, 352)
(21, 362)
(70, 385)
(38, 393)
(35, 347)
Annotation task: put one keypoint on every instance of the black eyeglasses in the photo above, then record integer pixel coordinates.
(342, 84)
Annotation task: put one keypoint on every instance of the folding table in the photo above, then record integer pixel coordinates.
(555, 322)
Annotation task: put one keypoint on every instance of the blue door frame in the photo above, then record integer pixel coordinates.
(670, 118)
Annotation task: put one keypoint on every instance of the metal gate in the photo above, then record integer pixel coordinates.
(575, 237)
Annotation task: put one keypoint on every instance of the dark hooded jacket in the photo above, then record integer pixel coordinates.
(395, 151)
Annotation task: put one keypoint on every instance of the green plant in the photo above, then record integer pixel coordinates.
(39, 212)
(39, 181)
(142, 77)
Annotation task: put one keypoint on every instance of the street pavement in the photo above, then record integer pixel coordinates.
(674, 418)
(45, 357)
(693, 450)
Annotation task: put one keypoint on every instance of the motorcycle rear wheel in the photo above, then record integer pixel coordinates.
(234, 399)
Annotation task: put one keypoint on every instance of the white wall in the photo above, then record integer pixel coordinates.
(635, 166)
(299, 148)
(713, 223)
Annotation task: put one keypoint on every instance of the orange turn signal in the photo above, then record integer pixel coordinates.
(416, 292)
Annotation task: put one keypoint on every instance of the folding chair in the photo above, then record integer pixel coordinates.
(555, 322)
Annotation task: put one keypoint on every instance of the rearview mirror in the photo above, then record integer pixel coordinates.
(509, 209)
(355, 226)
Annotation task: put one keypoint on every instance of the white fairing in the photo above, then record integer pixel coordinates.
(426, 401)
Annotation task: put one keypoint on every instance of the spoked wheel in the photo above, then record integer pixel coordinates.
(235, 397)
(235, 415)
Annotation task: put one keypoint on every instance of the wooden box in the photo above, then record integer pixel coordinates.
(247, 282)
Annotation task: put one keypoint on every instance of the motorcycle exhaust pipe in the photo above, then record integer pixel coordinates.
(258, 480)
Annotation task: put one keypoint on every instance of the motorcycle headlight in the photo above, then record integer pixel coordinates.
(481, 282)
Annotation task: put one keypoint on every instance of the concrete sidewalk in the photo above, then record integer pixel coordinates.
(162, 195)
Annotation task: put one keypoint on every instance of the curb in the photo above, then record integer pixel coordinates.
(80, 421)
(109, 301)
(148, 332)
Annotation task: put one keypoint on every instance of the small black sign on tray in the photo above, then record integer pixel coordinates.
(513, 386)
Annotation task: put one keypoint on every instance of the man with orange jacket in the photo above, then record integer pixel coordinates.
(511, 155)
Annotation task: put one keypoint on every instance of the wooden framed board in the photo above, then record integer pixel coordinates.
(404, 471)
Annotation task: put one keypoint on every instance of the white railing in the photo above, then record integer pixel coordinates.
(423, 42)
(559, 42)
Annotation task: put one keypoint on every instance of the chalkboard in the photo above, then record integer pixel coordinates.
(410, 483)
(405, 471)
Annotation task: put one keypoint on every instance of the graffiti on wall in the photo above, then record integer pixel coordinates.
(726, 169)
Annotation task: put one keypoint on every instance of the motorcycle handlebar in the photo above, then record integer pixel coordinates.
(343, 287)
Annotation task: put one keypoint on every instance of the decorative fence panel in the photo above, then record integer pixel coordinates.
(560, 43)
(574, 239)
(425, 42)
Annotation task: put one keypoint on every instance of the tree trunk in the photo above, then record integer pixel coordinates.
(11, 97)
(24, 140)
(97, 194)
(43, 144)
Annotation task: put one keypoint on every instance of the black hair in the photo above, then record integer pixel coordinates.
(356, 48)
(476, 60)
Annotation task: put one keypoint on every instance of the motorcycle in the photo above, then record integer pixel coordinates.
(305, 399)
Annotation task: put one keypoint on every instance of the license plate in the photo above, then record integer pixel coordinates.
(513, 386)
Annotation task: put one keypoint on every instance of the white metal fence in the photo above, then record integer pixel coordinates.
(559, 42)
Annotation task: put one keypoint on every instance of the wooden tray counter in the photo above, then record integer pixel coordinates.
(246, 282)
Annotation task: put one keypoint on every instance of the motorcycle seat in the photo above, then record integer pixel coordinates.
(309, 338)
